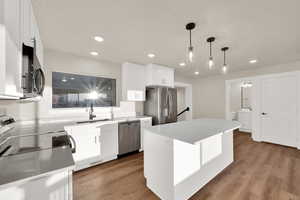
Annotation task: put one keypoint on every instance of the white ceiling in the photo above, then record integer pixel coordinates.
(267, 30)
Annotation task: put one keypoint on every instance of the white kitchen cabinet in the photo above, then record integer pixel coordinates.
(57, 186)
(133, 82)
(17, 26)
(145, 123)
(88, 145)
(10, 49)
(159, 75)
(27, 30)
(109, 142)
(245, 118)
(30, 30)
(37, 37)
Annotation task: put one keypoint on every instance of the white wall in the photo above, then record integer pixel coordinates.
(187, 84)
(209, 93)
(63, 62)
(235, 97)
(183, 79)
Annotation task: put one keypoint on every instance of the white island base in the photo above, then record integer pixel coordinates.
(175, 166)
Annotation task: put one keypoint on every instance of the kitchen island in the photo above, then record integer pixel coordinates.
(180, 158)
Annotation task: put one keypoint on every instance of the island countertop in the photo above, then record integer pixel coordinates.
(193, 131)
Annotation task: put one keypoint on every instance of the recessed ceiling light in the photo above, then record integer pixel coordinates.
(94, 53)
(151, 55)
(196, 73)
(72, 78)
(182, 64)
(98, 38)
(64, 80)
(253, 61)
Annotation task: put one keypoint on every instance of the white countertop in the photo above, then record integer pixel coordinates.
(194, 131)
(29, 165)
(26, 166)
(111, 121)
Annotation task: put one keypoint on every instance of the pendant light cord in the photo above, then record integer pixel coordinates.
(224, 58)
(210, 49)
(190, 38)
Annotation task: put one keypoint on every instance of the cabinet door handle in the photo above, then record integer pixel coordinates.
(95, 139)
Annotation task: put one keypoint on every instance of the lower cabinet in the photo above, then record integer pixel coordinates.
(98, 143)
(95, 144)
(88, 149)
(245, 119)
(57, 186)
(145, 123)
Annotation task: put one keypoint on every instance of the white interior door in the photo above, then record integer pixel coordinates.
(279, 110)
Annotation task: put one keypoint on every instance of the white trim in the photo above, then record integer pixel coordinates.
(188, 97)
(298, 109)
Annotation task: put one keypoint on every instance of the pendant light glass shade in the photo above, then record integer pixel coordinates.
(224, 69)
(225, 66)
(190, 55)
(211, 60)
(210, 63)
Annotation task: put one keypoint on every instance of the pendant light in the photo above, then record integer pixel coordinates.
(211, 60)
(225, 67)
(190, 27)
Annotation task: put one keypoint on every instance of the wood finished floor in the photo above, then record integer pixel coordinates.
(261, 171)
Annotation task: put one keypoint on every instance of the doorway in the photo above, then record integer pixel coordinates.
(241, 103)
(181, 104)
(184, 100)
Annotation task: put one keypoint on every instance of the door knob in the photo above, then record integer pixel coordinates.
(264, 113)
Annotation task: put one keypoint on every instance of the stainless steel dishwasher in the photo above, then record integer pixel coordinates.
(129, 137)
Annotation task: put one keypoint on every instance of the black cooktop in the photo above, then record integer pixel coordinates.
(24, 144)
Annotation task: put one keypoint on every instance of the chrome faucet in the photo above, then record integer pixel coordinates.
(91, 115)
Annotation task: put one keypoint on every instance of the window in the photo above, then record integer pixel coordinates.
(71, 91)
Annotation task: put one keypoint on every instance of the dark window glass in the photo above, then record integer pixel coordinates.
(71, 90)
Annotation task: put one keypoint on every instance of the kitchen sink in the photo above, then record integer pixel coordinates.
(93, 121)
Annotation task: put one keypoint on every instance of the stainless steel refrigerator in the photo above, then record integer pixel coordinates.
(161, 104)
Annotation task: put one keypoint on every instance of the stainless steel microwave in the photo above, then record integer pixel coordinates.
(33, 78)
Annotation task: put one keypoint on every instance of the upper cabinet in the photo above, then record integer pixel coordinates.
(159, 75)
(17, 26)
(136, 77)
(27, 23)
(10, 49)
(133, 82)
(30, 30)
(37, 37)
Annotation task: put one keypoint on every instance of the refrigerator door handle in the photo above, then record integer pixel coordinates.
(170, 104)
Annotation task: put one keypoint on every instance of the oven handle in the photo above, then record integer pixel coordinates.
(73, 146)
(39, 86)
